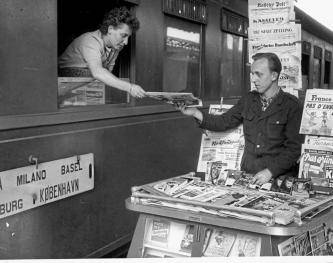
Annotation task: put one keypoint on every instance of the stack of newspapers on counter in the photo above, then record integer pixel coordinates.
(237, 197)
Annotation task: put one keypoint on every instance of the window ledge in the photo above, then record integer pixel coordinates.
(85, 113)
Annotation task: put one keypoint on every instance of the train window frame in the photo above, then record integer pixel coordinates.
(124, 68)
(168, 18)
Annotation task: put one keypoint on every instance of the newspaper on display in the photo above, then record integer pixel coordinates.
(317, 118)
(225, 147)
(270, 12)
(272, 29)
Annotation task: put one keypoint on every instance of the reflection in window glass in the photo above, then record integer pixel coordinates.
(181, 66)
(316, 73)
(232, 65)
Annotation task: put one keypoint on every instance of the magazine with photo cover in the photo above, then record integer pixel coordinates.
(318, 240)
(303, 245)
(317, 164)
(287, 248)
(216, 173)
(317, 117)
(219, 243)
(246, 245)
(187, 240)
(287, 185)
(187, 99)
(302, 188)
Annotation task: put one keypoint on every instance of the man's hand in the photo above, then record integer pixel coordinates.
(194, 112)
(262, 177)
(136, 91)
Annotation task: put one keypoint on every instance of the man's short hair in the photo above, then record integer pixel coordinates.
(118, 16)
(273, 61)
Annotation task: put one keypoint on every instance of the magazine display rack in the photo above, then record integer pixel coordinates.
(184, 216)
(172, 232)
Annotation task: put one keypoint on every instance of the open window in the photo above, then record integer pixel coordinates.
(75, 19)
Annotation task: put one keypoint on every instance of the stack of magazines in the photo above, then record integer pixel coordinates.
(240, 200)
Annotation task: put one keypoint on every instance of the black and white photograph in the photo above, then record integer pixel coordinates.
(131, 128)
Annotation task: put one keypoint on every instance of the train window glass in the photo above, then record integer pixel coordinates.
(317, 60)
(79, 88)
(327, 73)
(316, 73)
(182, 57)
(232, 65)
(305, 70)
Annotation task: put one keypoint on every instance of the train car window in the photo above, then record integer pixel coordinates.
(232, 65)
(305, 70)
(317, 60)
(327, 71)
(306, 53)
(182, 56)
(79, 88)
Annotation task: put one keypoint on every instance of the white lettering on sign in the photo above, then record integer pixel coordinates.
(27, 187)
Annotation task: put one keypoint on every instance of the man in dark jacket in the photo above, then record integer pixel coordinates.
(271, 120)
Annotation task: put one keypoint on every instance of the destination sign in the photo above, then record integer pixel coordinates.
(28, 187)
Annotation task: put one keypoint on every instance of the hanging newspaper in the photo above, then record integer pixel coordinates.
(272, 29)
(288, 49)
(270, 12)
(317, 118)
(226, 147)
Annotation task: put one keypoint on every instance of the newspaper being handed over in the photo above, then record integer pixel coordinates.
(187, 99)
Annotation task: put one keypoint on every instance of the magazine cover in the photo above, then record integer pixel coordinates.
(302, 188)
(246, 246)
(287, 248)
(317, 163)
(160, 230)
(317, 117)
(303, 245)
(318, 240)
(226, 147)
(176, 97)
(219, 243)
(216, 172)
(187, 240)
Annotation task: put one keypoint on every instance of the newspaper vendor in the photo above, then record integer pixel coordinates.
(93, 54)
(271, 120)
